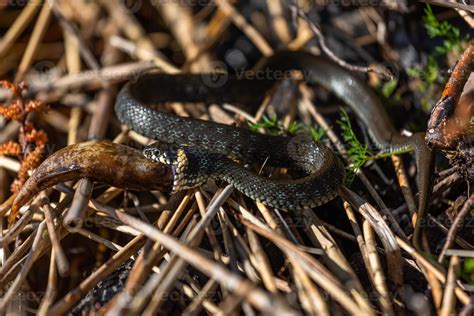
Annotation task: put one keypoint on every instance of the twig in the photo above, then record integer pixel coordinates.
(262, 262)
(8, 267)
(36, 36)
(404, 184)
(248, 29)
(449, 298)
(459, 240)
(201, 300)
(152, 251)
(71, 30)
(467, 309)
(297, 11)
(18, 26)
(314, 269)
(15, 286)
(178, 17)
(461, 295)
(143, 54)
(9, 164)
(377, 274)
(278, 20)
(51, 289)
(89, 79)
(306, 102)
(107, 243)
(169, 276)
(310, 296)
(194, 236)
(59, 255)
(234, 283)
(450, 119)
(450, 238)
(337, 262)
(70, 299)
(75, 216)
(125, 21)
(384, 233)
(15, 230)
(452, 5)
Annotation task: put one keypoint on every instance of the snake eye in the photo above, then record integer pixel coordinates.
(152, 153)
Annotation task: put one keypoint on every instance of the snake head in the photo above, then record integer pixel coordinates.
(162, 152)
(191, 166)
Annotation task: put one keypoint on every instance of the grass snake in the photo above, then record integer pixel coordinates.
(200, 150)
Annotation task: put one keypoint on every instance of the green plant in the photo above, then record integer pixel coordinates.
(429, 76)
(271, 124)
(427, 84)
(388, 88)
(317, 133)
(275, 127)
(294, 127)
(451, 35)
(468, 269)
(358, 153)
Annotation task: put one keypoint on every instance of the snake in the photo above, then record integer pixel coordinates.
(200, 150)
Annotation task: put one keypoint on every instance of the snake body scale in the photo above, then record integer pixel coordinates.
(200, 150)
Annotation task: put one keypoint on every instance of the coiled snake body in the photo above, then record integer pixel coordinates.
(200, 150)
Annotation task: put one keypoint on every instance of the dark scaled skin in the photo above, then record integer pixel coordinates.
(132, 110)
(325, 172)
(195, 166)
